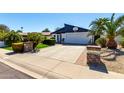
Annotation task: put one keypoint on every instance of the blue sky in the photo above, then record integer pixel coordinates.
(36, 22)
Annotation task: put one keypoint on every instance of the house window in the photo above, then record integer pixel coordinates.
(54, 36)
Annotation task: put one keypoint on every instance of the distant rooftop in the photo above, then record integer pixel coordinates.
(46, 33)
(23, 33)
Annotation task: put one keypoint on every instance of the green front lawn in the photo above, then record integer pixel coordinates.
(7, 48)
(39, 46)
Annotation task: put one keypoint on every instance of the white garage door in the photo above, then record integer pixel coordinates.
(77, 38)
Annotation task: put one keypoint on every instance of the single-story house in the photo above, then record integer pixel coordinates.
(70, 34)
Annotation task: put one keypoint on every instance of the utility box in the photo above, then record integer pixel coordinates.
(28, 46)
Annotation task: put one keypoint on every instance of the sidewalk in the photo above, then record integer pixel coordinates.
(55, 69)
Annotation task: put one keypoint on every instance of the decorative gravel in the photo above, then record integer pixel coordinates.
(116, 65)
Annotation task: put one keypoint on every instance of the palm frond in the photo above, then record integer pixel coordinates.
(93, 22)
(91, 32)
(119, 21)
(120, 31)
(97, 26)
(112, 17)
(110, 29)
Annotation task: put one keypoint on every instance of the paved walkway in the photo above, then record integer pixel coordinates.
(49, 67)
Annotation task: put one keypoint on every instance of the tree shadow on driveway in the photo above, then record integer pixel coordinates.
(11, 53)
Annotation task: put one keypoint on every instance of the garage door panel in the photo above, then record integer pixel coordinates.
(77, 38)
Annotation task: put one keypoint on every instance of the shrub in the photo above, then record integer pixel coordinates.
(18, 47)
(52, 38)
(2, 36)
(36, 38)
(12, 37)
(122, 42)
(101, 42)
(45, 37)
(49, 42)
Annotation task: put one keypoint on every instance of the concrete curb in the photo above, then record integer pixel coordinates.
(33, 71)
(30, 73)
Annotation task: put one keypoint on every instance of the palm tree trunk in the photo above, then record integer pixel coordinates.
(95, 38)
(111, 44)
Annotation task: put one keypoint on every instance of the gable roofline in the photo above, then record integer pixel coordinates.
(69, 29)
(58, 31)
(75, 26)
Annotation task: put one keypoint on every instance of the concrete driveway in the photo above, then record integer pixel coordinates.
(54, 63)
(66, 53)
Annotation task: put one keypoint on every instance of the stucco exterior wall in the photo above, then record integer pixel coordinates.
(2, 44)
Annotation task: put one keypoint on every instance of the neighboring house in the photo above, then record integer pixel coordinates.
(72, 35)
(46, 34)
(24, 34)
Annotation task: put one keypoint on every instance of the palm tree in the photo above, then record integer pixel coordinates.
(109, 27)
(112, 28)
(97, 28)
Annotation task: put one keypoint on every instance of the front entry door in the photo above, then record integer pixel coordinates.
(59, 38)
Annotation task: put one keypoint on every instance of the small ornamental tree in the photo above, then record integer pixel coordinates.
(12, 37)
(36, 38)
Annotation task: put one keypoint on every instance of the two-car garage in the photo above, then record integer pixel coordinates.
(72, 35)
(76, 38)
